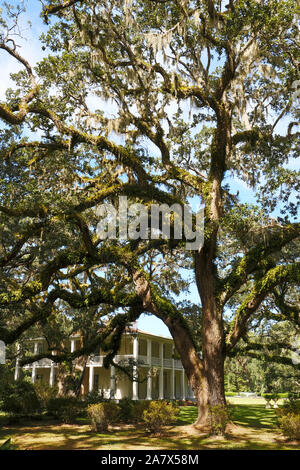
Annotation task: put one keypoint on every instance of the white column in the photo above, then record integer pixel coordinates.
(112, 382)
(173, 377)
(33, 372)
(91, 378)
(149, 377)
(52, 374)
(161, 372)
(183, 384)
(73, 344)
(135, 385)
(17, 369)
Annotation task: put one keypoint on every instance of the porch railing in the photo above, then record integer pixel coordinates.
(98, 361)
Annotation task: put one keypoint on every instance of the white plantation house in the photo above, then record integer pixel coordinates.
(155, 362)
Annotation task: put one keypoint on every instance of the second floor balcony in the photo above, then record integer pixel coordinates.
(144, 349)
(167, 363)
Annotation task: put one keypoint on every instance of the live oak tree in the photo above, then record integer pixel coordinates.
(160, 100)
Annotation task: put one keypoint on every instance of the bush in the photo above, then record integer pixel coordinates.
(102, 415)
(178, 402)
(19, 397)
(283, 395)
(94, 397)
(219, 418)
(230, 394)
(45, 393)
(132, 410)
(290, 406)
(288, 416)
(65, 409)
(126, 409)
(159, 414)
(294, 395)
(290, 425)
(270, 396)
(138, 410)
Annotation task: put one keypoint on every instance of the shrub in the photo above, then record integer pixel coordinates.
(96, 396)
(288, 416)
(283, 395)
(268, 397)
(138, 410)
(230, 394)
(45, 393)
(290, 425)
(290, 406)
(19, 397)
(178, 402)
(102, 415)
(126, 409)
(219, 418)
(294, 395)
(159, 414)
(65, 409)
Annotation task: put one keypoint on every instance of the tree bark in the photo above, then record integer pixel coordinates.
(213, 338)
(80, 365)
(212, 390)
(205, 375)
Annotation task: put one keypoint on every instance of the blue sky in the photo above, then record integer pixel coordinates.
(31, 50)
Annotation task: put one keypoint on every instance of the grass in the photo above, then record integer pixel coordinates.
(254, 427)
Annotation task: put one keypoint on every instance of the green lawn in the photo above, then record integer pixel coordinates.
(254, 427)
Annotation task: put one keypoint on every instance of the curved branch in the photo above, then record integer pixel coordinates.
(259, 292)
(255, 259)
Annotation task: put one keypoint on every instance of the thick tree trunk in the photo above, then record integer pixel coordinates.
(212, 387)
(213, 340)
(68, 383)
(206, 375)
(80, 365)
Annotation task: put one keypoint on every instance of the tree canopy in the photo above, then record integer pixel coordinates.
(162, 101)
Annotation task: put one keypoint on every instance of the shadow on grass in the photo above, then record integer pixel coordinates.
(74, 437)
(254, 416)
(255, 423)
(188, 415)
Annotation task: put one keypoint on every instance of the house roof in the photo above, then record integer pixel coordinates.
(129, 330)
(146, 333)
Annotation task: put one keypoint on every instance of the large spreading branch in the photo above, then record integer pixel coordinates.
(257, 258)
(108, 336)
(260, 290)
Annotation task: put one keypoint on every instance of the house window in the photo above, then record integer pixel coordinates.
(96, 382)
(168, 351)
(143, 347)
(155, 349)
